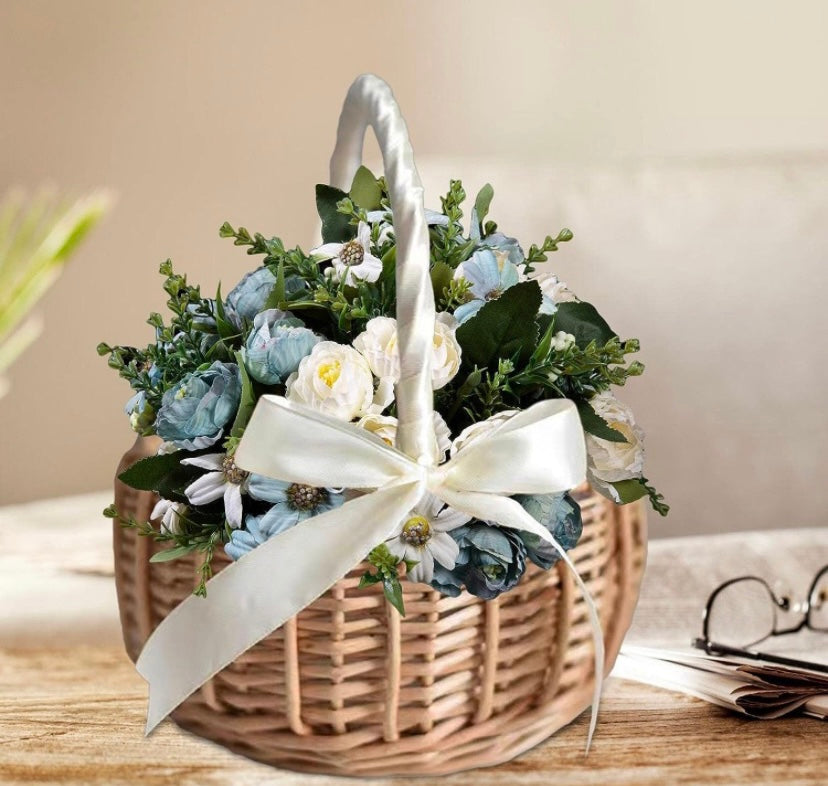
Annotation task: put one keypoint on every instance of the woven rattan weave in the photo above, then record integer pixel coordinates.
(350, 688)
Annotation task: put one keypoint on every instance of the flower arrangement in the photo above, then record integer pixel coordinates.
(319, 329)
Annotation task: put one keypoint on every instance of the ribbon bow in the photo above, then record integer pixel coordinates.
(538, 451)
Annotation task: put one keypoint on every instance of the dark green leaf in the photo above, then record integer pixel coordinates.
(365, 190)
(247, 402)
(503, 328)
(482, 202)
(277, 295)
(584, 322)
(441, 276)
(174, 553)
(630, 490)
(389, 266)
(226, 329)
(594, 424)
(336, 227)
(149, 473)
(393, 591)
(368, 579)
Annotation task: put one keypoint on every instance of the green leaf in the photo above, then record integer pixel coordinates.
(441, 276)
(594, 424)
(226, 329)
(247, 402)
(365, 190)
(389, 266)
(584, 322)
(546, 326)
(503, 328)
(277, 295)
(149, 474)
(368, 579)
(393, 592)
(336, 226)
(630, 490)
(483, 201)
(175, 553)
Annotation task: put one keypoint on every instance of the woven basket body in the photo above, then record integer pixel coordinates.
(348, 687)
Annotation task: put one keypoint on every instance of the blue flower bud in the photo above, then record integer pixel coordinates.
(249, 296)
(561, 515)
(194, 412)
(276, 345)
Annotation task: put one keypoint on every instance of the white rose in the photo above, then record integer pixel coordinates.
(609, 462)
(554, 288)
(378, 344)
(476, 431)
(335, 379)
(385, 427)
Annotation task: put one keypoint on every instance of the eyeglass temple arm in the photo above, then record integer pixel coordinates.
(711, 648)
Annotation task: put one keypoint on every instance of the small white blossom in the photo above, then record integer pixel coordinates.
(385, 427)
(169, 514)
(352, 261)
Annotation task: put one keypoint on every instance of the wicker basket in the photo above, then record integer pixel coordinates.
(347, 687)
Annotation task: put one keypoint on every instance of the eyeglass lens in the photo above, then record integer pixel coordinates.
(818, 602)
(743, 613)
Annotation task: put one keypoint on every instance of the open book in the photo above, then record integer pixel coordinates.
(756, 688)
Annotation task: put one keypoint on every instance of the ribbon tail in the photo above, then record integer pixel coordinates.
(253, 597)
(508, 513)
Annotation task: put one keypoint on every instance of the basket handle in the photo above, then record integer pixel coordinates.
(370, 102)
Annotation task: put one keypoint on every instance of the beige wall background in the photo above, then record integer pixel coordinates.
(684, 143)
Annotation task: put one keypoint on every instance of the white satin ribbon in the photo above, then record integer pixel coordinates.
(538, 451)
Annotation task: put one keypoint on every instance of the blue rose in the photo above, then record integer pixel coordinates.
(276, 345)
(194, 412)
(561, 515)
(249, 296)
(491, 561)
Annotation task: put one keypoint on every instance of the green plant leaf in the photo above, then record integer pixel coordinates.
(441, 276)
(247, 402)
(149, 474)
(175, 553)
(584, 322)
(393, 592)
(594, 424)
(630, 490)
(365, 190)
(277, 295)
(336, 226)
(483, 201)
(368, 579)
(503, 328)
(226, 329)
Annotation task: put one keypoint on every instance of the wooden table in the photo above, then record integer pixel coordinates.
(72, 711)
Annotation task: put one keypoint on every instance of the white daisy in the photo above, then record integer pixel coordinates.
(423, 536)
(224, 479)
(352, 261)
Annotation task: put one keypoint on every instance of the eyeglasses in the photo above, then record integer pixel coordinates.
(743, 612)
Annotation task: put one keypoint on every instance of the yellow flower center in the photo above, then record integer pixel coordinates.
(329, 372)
(416, 531)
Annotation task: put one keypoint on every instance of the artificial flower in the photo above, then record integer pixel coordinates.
(609, 462)
(476, 431)
(249, 296)
(292, 502)
(276, 345)
(385, 427)
(352, 261)
(561, 515)
(171, 515)
(194, 412)
(554, 292)
(225, 479)
(489, 561)
(378, 343)
(489, 274)
(256, 531)
(335, 379)
(423, 536)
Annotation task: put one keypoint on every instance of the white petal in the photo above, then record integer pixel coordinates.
(326, 251)
(429, 505)
(423, 571)
(207, 488)
(444, 548)
(210, 461)
(161, 507)
(450, 519)
(364, 236)
(233, 505)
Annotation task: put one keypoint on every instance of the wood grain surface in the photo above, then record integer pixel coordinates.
(75, 716)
